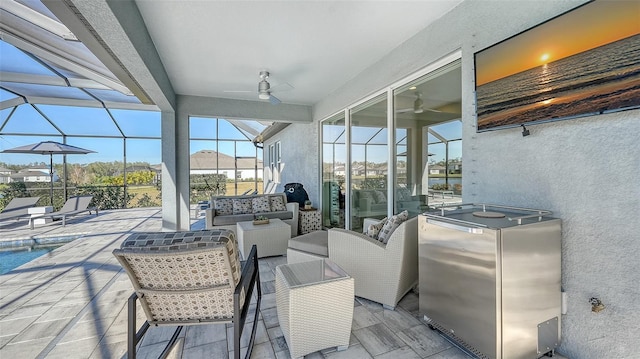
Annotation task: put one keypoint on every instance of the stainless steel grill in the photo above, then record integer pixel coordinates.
(490, 278)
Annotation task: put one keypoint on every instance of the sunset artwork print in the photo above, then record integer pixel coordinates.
(584, 62)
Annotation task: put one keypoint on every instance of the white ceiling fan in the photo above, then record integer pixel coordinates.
(265, 91)
(418, 106)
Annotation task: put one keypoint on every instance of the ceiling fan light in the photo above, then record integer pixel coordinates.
(264, 95)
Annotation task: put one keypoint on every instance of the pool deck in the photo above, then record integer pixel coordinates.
(71, 303)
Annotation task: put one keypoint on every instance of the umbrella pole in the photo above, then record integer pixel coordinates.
(51, 173)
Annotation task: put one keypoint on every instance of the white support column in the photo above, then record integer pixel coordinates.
(175, 211)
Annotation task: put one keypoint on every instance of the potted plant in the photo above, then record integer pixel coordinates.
(307, 204)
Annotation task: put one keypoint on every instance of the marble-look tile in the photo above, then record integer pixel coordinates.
(397, 320)
(353, 352)
(216, 349)
(378, 339)
(423, 340)
(363, 318)
(402, 353)
(198, 335)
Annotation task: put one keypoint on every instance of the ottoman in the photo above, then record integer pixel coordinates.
(308, 247)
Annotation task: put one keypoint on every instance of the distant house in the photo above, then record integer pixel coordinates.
(436, 170)
(34, 174)
(5, 175)
(211, 162)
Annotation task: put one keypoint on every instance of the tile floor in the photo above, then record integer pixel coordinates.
(71, 303)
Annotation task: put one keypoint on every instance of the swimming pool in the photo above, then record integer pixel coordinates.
(12, 259)
(14, 253)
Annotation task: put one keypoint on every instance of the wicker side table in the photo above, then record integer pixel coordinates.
(309, 220)
(315, 306)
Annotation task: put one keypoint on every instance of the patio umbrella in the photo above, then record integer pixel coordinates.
(49, 148)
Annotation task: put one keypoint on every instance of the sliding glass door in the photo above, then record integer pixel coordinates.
(369, 161)
(334, 157)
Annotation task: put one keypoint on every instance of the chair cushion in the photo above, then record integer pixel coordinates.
(171, 241)
(277, 203)
(223, 206)
(260, 204)
(242, 206)
(316, 242)
(390, 225)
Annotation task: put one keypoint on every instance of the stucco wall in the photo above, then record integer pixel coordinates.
(585, 170)
(299, 153)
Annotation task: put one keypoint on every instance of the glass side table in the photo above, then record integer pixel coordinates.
(315, 306)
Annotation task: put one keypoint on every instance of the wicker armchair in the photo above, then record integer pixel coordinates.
(189, 278)
(383, 273)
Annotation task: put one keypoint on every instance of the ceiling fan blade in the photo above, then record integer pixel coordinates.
(432, 110)
(404, 110)
(274, 100)
(285, 86)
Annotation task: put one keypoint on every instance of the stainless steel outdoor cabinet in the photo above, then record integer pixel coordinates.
(490, 279)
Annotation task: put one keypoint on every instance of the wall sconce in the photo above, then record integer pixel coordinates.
(525, 132)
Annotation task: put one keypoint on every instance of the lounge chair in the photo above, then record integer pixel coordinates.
(18, 208)
(190, 278)
(72, 207)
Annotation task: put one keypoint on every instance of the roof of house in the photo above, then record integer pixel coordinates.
(209, 159)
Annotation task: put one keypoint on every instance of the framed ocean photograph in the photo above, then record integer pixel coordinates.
(583, 62)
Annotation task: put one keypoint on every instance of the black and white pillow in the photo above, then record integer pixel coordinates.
(391, 225)
(260, 204)
(242, 206)
(374, 229)
(277, 204)
(223, 206)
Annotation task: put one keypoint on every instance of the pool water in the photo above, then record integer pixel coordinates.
(15, 258)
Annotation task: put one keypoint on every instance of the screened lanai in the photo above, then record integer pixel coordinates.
(52, 88)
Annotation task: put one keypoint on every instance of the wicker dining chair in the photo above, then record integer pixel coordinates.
(189, 278)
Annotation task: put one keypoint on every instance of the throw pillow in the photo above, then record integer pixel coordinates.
(379, 197)
(242, 206)
(391, 225)
(277, 204)
(374, 229)
(260, 204)
(223, 206)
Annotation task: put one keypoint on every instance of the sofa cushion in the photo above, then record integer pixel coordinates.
(242, 206)
(260, 204)
(232, 219)
(277, 203)
(316, 242)
(223, 206)
(391, 225)
(279, 214)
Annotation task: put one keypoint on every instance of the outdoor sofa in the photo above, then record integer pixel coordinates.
(226, 211)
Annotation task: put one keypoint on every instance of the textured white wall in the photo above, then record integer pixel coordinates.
(300, 155)
(585, 170)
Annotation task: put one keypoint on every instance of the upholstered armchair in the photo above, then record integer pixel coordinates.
(189, 278)
(383, 273)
